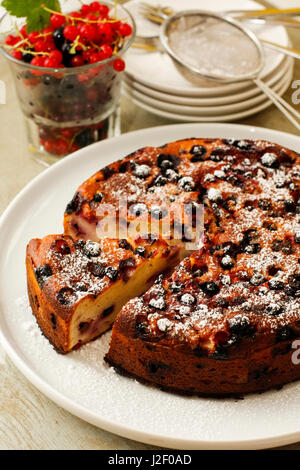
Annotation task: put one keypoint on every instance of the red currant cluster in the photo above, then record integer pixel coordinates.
(62, 141)
(82, 37)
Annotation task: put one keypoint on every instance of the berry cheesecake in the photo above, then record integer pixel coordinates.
(223, 322)
(76, 288)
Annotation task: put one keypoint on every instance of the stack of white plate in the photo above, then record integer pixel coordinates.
(153, 82)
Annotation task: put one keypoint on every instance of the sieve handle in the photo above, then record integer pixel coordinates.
(285, 50)
(280, 103)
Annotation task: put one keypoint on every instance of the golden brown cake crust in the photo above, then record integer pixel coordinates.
(224, 322)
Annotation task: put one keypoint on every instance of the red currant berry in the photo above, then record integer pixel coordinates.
(104, 29)
(38, 61)
(50, 45)
(95, 6)
(119, 65)
(88, 32)
(104, 10)
(23, 31)
(77, 61)
(83, 78)
(50, 63)
(60, 147)
(75, 15)
(67, 133)
(115, 26)
(56, 56)
(86, 9)
(71, 32)
(48, 30)
(48, 146)
(40, 46)
(95, 57)
(57, 21)
(106, 51)
(87, 53)
(11, 40)
(125, 29)
(17, 55)
(91, 17)
(33, 37)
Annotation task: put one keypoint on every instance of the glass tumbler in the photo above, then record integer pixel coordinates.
(67, 109)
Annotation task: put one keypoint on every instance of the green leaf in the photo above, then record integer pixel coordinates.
(37, 17)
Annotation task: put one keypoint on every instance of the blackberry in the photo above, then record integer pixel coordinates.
(97, 269)
(264, 204)
(240, 326)
(297, 237)
(84, 138)
(91, 249)
(75, 204)
(61, 247)
(198, 152)
(123, 243)
(210, 288)
(285, 334)
(166, 165)
(175, 287)
(66, 296)
(42, 274)
(273, 309)
(58, 37)
(257, 279)
(275, 284)
(98, 197)
(186, 183)
(65, 49)
(141, 328)
(141, 171)
(140, 251)
(80, 287)
(112, 273)
(27, 57)
(270, 160)
(126, 263)
(188, 299)
(227, 262)
(160, 181)
(173, 159)
(289, 205)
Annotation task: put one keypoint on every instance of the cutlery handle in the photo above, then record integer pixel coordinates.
(287, 22)
(280, 103)
(265, 12)
(285, 50)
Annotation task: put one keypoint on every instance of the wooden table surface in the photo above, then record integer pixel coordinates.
(29, 420)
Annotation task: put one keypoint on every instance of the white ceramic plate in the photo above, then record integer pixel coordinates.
(210, 110)
(156, 69)
(285, 83)
(80, 382)
(211, 100)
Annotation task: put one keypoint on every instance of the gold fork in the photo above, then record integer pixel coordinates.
(158, 14)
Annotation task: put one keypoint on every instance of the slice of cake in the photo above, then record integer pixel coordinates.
(76, 288)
